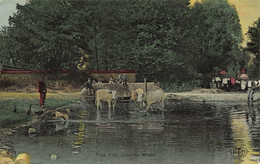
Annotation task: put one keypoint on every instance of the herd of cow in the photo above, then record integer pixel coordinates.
(139, 97)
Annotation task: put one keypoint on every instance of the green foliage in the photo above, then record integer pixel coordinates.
(253, 46)
(254, 69)
(180, 87)
(5, 82)
(40, 36)
(217, 35)
(165, 41)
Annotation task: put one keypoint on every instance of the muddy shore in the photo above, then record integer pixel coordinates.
(212, 97)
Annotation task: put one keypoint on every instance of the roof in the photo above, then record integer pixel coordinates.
(113, 71)
(29, 72)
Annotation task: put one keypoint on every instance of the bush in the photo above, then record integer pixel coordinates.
(5, 82)
(183, 87)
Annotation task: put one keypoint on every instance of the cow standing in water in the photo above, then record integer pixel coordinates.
(106, 95)
(152, 97)
(134, 95)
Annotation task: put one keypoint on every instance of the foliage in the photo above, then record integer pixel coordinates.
(253, 46)
(216, 25)
(5, 82)
(40, 36)
(166, 41)
(180, 87)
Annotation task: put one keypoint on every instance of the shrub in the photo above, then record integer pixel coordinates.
(5, 82)
(183, 87)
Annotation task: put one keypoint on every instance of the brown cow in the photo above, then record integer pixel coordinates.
(157, 96)
(106, 95)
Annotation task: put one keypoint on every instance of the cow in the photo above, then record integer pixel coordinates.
(83, 94)
(157, 96)
(134, 95)
(106, 95)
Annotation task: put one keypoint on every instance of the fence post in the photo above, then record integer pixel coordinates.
(145, 83)
(1, 67)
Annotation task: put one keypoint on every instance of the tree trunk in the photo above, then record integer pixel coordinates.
(96, 53)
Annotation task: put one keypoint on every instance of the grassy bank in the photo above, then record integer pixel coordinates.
(183, 87)
(22, 101)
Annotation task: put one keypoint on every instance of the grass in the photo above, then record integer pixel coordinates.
(9, 119)
(184, 87)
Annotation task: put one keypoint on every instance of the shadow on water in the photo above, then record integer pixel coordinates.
(197, 133)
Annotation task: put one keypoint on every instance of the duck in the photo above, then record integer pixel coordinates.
(38, 113)
(29, 112)
(15, 108)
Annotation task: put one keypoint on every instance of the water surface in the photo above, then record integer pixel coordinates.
(194, 133)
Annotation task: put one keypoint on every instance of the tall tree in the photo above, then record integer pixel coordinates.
(153, 29)
(253, 46)
(44, 34)
(217, 37)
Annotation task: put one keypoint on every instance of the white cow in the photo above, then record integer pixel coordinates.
(152, 97)
(134, 95)
(106, 95)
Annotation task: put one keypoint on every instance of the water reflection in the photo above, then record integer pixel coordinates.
(186, 133)
(80, 134)
(242, 122)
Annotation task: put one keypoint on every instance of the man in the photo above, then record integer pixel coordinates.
(243, 80)
(218, 82)
(250, 91)
(225, 83)
(89, 87)
(111, 81)
(43, 91)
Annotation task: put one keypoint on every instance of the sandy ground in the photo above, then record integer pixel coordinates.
(212, 95)
(57, 95)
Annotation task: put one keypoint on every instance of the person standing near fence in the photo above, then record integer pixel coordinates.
(43, 91)
(89, 87)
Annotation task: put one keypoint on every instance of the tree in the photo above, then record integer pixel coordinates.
(166, 41)
(43, 35)
(253, 46)
(153, 29)
(217, 37)
(9, 47)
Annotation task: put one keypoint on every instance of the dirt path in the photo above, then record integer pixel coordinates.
(216, 97)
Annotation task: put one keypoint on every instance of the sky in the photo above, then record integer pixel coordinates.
(7, 8)
(248, 11)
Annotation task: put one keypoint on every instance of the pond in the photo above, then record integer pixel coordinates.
(197, 133)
